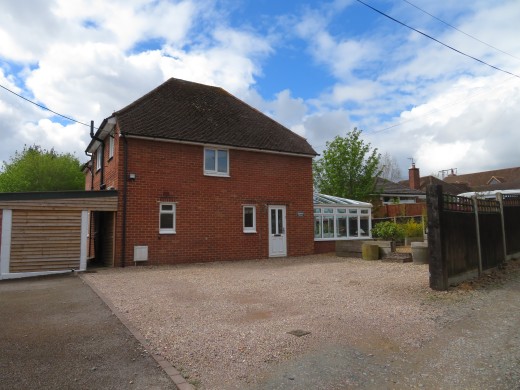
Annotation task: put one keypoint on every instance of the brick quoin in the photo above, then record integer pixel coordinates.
(209, 210)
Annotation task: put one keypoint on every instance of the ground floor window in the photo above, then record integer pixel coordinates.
(249, 219)
(167, 218)
(341, 223)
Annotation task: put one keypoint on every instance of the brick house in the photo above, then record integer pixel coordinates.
(498, 180)
(200, 176)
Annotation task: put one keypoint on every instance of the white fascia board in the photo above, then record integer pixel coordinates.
(103, 133)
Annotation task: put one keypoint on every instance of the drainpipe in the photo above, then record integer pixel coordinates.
(101, 150)
(125, 190)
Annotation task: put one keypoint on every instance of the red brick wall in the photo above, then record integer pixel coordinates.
(88, 180)
(110, 166)
(324, 246)
(209, 209)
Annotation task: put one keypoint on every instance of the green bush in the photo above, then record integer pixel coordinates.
(388, 231)
(412, 228)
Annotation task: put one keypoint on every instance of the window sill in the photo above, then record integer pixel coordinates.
(167, 232)
(249, 231)
(216, 174)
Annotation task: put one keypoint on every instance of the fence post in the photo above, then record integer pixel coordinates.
(500, 198)
(477, 228)
(438, 266)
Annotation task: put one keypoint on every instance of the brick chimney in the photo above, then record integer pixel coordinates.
(414, 179)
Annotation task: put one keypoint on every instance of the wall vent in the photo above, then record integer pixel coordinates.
(140, 253)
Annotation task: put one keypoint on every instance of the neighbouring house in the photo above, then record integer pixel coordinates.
(447, 188)
(498, 180)
(416, 182)
(200, 176)
(394, 199)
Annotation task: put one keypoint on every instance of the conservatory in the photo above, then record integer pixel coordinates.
(341, 219)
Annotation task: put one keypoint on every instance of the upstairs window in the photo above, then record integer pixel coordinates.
(111, 146)
(99, 158)
(216, 162)
(167, 218)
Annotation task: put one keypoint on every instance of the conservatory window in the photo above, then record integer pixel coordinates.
(341, 223)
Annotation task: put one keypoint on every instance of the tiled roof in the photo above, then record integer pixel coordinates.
(482, 178)
(191, 112)
(509, 185)
(447, 188)
(322, 199)
(388, 187)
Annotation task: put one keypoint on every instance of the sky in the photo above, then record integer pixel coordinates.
(321, 68)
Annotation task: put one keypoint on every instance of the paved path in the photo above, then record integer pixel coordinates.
(56, 333)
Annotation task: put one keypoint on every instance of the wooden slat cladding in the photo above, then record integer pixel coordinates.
(108, 203)
(45, 240)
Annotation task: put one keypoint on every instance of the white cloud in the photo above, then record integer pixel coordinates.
(70, 138)
(322, 127)
(285, 109)
(357, 90)
(470, 127)
(341, 56)
(229, 63)
(87, 68)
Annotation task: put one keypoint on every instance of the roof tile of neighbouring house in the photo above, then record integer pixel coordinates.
(385, 186)
(509, 185)
(447, 188)
(191, 112)
(478, 179)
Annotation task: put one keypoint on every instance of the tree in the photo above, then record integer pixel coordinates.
(389, 168)
(348, 169)
(37, 169)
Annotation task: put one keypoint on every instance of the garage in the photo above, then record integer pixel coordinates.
(49, 232)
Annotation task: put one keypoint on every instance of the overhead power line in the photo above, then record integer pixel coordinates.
(436, 40)
(45, 108)
(459, 30)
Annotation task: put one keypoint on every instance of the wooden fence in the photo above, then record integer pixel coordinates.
(511, 220)
(467, 236)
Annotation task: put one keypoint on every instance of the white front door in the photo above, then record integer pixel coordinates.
(277, 234)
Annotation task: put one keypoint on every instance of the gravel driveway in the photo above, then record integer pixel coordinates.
(226, 325)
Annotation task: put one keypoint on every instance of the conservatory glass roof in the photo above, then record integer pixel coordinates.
(321, 199)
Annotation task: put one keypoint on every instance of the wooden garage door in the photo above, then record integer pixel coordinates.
(45, 240)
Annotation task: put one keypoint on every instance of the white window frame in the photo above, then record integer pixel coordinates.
(332, 213)
(215, 172)
(99, 157)
(173, 211)
(110, 146)
(249, 229)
